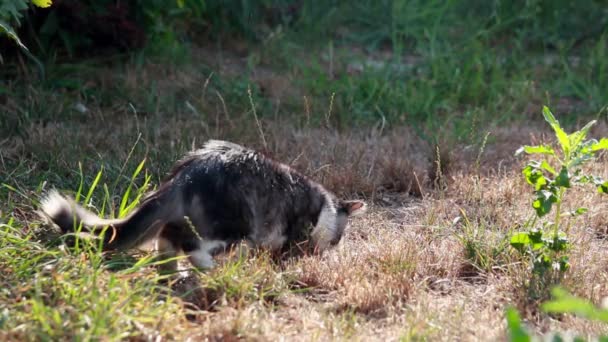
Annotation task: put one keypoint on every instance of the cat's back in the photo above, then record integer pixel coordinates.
(229, 158)
(222, 163)
(229, 168)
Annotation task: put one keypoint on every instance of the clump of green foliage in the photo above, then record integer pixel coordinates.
(11, 14)
(162, 27)
(547, 244)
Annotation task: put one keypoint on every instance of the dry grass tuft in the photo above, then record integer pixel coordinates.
(363, 278)
(354, 162)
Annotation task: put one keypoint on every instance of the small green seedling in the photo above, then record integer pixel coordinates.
(547, 245)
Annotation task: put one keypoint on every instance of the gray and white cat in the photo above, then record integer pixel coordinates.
(216, 197)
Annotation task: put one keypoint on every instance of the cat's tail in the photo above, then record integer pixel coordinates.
(141, 225)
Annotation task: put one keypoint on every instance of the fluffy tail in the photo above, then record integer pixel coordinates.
(141, 225)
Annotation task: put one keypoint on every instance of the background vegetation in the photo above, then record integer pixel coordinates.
(416, 106)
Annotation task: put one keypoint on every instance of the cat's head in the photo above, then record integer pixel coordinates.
(333, 220)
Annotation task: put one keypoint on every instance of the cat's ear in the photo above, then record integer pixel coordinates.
(354, 208)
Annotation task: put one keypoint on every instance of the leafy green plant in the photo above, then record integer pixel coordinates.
(547, 245)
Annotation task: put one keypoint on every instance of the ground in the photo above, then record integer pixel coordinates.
(429, 261)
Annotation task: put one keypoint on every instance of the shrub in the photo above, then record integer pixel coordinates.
(11, 14)
(88, 26)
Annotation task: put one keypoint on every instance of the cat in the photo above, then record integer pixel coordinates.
(215, 197)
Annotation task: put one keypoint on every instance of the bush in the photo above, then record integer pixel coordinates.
(88, 26)
(11, 13)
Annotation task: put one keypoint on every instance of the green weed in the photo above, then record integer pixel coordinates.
(547, 245)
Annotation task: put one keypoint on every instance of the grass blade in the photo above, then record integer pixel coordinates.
(77, 198)
(93, 186)
(123, 203)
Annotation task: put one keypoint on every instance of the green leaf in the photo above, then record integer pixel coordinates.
(545, 166)
(563, 302)
(603, 188)
(564, 263)
(534, 176)
(536, 239)
(577, 137)
(520, 240)
(563, 179)
(10, 32)
(517, 332)
(601, 145)
(541, 263)
(559, 244)
(533, 238)
(562, 137)
(543, 203)
(581, 158)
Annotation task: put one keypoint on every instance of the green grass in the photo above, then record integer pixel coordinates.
(54, 293)
(71, 292)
